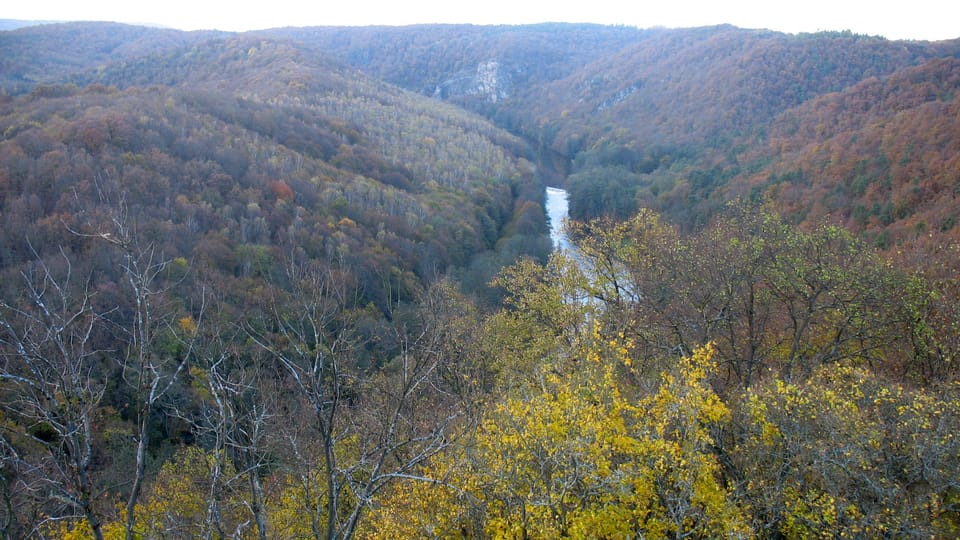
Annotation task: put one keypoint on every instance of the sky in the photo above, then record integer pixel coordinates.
(900, 19)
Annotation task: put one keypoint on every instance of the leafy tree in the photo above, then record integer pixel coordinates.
(770, 296)
(847, 453)
(577, 458)
(186, 500)
(547, 318)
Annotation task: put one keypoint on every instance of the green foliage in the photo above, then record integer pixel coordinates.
(770, 296)
(605, 191)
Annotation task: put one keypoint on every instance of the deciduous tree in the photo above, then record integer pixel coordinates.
(53, 379)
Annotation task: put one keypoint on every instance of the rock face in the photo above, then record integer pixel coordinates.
(489, 81)
(619, 97)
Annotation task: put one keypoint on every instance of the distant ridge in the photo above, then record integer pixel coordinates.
(13, 24)
(677, 120)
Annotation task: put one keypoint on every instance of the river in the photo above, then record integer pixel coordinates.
(557, 211)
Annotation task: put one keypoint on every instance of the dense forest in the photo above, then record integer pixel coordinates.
(298, 283)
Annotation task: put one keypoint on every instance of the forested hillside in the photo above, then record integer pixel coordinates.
(425, 58)
(879, 157)
(52, 52)
(247, 142)
(297, 283)
(658, 118)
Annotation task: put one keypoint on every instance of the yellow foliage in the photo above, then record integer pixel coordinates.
(577, 459)
(177, 501)
(810, 514)
(845, 454)
(187, 325)
(297, 503)
(433, 509)
(293, 507)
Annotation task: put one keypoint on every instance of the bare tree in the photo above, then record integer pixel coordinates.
(414, 405)
(373, 424)
(148, 372)
(232, 423)
(240, 394)
(311, 346)
(54, 380)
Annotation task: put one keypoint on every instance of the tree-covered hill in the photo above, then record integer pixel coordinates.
(50, 53)
(705, 86)
(640, 117)
(880, 157)
(664, 86)
(427, 58)
(627, 117)
(672, 112)
(247, 141)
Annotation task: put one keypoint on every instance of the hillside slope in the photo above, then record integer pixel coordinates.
(240, 142)
(623, 117)
(882, 157)
(655, 116)
(50, 53)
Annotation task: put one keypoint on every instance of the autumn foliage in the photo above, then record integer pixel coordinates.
(249, 288)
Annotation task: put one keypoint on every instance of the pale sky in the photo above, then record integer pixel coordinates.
(900, 19)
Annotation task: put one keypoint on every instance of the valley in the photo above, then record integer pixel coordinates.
(311, 283)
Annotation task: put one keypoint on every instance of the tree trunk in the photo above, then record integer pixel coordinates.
(139, 473)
